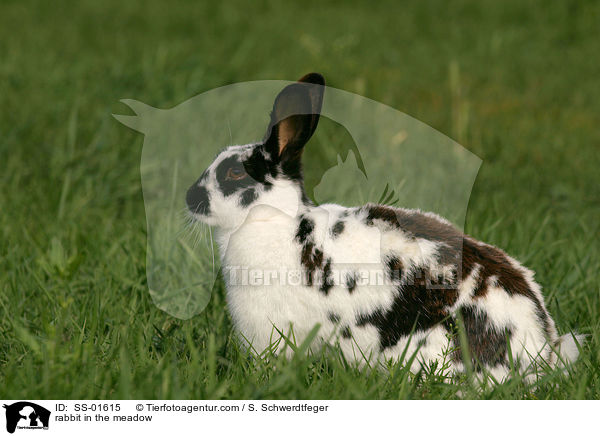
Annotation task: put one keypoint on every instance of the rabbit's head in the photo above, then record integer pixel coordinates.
(267, 173)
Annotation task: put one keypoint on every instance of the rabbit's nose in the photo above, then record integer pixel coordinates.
(198, 200)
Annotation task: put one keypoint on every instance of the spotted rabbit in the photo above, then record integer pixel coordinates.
(382, 282)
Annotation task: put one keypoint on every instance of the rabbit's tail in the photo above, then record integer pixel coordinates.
(566, 349)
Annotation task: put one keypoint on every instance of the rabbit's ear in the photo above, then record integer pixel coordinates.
(316, 88)
(295, 117)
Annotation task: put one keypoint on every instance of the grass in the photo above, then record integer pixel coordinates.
(514, 82)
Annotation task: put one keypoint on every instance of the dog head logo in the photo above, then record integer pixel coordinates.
(26, 415)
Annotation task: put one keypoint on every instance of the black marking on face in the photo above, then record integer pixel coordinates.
(305, 229)
(197, 199)
(487, 345)
(228, 186)
(351, 282)
(327, 278)
(346, 333)
(258, 167)
(333, 317)
(337, 229)
(248, 197)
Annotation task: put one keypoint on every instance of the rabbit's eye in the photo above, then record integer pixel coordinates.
(235, 174)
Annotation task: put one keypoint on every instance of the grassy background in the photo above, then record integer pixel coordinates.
(515, 82)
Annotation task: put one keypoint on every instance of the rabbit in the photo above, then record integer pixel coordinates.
(290, 265)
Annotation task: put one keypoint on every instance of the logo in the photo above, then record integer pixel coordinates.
(380, 156)
(26, 415)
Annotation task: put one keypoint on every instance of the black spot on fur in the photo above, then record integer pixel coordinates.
(311, 258)
(416, 307)
(333, 317)
(394, 268)
(337, 229)
(346, 333)
(487, 345)
(292, 169)
(248, 197)
(305, 229)
(351, 282)
(327, 283)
